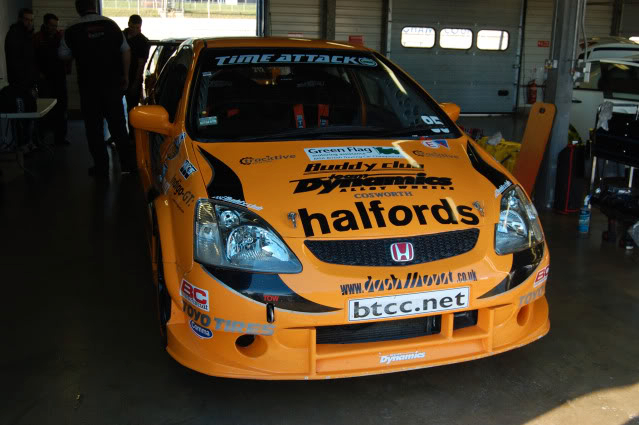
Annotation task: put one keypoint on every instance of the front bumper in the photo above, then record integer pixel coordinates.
(504, 322)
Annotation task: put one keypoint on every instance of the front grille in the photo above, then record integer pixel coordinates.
(379, 331)
(464, 319)
(377, 252)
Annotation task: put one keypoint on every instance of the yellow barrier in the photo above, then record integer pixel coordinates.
(505, 152)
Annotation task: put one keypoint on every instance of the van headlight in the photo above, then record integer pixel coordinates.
(518, 226)
(233, 237)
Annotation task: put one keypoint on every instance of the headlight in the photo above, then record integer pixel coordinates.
(518, 226)
(232, 237)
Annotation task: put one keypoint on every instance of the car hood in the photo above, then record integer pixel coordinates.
(352, 188)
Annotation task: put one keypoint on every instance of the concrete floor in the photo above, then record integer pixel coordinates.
(80, 343)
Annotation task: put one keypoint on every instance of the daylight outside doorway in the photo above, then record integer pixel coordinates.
(164, 19)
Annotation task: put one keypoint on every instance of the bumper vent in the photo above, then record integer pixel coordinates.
(464, 319)
(377, 252)
(379, 331)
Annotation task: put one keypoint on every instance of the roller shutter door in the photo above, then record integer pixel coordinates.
(477, 80)
(295, 17)
(360, 17)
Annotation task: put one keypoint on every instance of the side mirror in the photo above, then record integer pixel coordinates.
(152, 118)
(451, 110)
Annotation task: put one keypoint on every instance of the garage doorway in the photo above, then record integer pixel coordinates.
(163, 19)
(466, 52)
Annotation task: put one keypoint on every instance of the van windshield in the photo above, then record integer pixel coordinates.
(280, 94)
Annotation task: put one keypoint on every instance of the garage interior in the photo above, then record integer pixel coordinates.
(80, 337)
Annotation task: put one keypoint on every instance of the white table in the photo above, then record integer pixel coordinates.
(43, 106)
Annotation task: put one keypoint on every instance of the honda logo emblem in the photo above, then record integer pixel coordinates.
(402, 252)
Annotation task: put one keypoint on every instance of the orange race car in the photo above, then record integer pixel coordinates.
(316, 214)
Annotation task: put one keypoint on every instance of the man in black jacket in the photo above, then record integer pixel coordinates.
(139, 54)
(102, 57)
(22, 73)
(18, 47)
(53, 75)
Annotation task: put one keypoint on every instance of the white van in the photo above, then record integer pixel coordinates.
(614, 80)
(610, 47)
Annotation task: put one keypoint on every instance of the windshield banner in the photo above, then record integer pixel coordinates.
(281, 58)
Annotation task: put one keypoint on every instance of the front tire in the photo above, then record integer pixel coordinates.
(162, 297)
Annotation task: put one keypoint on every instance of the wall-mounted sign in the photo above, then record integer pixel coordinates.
(356, 39)
(543, 43)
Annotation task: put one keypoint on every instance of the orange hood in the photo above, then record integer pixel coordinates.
(351, 188)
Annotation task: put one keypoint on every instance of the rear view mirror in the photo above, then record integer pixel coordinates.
(451, 110)
(152, 118)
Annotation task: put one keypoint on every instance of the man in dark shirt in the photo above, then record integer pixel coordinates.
(139, 54)
(102, 57)
(21, 71)
(19, 52)
(53, 75)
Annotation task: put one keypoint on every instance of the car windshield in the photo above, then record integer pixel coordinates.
(285, 94)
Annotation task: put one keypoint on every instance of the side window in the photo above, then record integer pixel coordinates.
(456, 38)
(153, 63)
(172, 80)
(492, 40)
(595, 76)
(421, 37)
(619, 80)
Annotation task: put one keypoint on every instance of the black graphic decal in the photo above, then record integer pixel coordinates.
(224, 182)
(493, 175)
(267, 288)
(524, 264)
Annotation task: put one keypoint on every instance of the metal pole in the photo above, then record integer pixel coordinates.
(559, 92)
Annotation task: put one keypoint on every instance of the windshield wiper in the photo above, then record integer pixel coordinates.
(332, 132)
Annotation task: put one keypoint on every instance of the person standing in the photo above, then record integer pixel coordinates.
(53, 75)
(22, 73)
(102, 57)
(19, 52)
(139, 54)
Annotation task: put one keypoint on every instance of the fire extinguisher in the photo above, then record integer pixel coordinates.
(531, 93)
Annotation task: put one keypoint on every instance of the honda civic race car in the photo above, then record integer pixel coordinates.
(316, 214)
